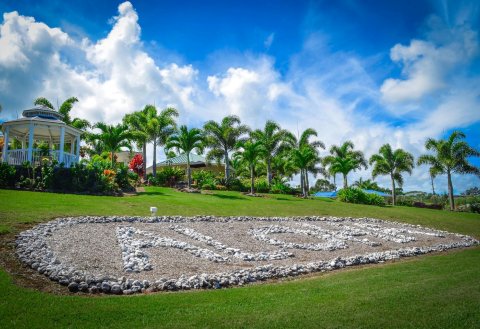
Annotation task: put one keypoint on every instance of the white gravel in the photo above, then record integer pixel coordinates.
(134, 254)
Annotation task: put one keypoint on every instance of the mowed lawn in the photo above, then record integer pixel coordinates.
(433, 291)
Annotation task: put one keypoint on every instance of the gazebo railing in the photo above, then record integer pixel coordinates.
(19, 156)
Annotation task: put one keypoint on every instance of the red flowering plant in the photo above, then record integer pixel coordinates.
(136, 164)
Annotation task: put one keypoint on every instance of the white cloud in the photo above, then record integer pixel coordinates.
(330, 92)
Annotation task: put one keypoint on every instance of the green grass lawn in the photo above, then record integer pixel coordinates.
(435, 291)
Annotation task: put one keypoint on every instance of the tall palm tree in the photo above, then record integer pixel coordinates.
(160, 128)
(65, 109)
(392, 163)
(112, 138)
(138, 125)
(222, 138)
(344, 159)
(302, 159)
(249, 154)
(186, 140)
(450, 156)
(274, 140)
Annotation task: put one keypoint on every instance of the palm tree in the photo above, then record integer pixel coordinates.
(160, 128)
(393, 163)
(112, 138)
(137, 123)
(303, 160)
(450, 156)
(222, 138)
(344, 159)
(249, 154)
(65, 109)
(274, 140)
(186, 140)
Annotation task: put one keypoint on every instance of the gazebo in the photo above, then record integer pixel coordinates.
(40, 124)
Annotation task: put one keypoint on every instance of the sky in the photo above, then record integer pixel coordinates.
(372, 72)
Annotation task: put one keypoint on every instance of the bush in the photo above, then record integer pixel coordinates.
(279, 187)
(202, 176)
(168, 176)
(208, 186)
(7, 175)
(356, 195)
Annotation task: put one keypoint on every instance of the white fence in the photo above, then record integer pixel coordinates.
(18, 157)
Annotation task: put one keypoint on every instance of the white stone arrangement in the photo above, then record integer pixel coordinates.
(338, 242)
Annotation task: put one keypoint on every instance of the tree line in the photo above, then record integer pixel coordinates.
(276, 151)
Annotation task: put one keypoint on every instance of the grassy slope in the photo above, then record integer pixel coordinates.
(430, 291)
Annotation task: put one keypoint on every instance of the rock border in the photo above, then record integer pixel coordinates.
(32, 249)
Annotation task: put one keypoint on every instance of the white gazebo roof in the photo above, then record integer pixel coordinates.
(47, 125)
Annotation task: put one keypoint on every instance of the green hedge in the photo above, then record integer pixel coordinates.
(356, 195)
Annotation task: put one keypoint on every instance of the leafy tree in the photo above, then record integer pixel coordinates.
(343, 159)
(450, 156)
(65, 109)
(392, 163)
(222, 138)
(249, 154)
(274, 140)
(367, 184)
(113, 138)
(323, 185)
(186, 140)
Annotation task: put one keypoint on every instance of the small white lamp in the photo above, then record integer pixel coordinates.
(153, 210)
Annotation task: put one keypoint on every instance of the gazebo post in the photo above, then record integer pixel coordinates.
(30, 143)
(5, 144)
(62, 143)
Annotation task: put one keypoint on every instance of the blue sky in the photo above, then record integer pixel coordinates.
(369, 71)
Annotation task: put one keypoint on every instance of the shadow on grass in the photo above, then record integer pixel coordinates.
(324, 199)
(229, 197)
(152, 193)
(284, 199)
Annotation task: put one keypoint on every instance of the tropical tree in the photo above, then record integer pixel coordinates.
(138, 125)
(392, 163)
(249, 153)
(186, 140)
(222, 138)
(301, 158)
(275, 141)
(113, 138)
(450, 156)
(343, 159)
(65, 109)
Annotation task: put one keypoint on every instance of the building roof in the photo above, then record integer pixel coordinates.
(182, 159)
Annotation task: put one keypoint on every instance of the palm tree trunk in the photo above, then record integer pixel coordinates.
(433, 186)
(144, 165)
(188, 170)
(252, 182)
(154, 167)
(307, 185)
(393, 190)
(345, 183)
(269, 171)
(302, 183)
(450, 190)
(227, 166)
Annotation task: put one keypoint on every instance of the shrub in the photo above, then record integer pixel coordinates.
(356, 195)
(136, 164)
(278, 187)
(202, 176)
(7, 175)
(208, 186)
(168, 176)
